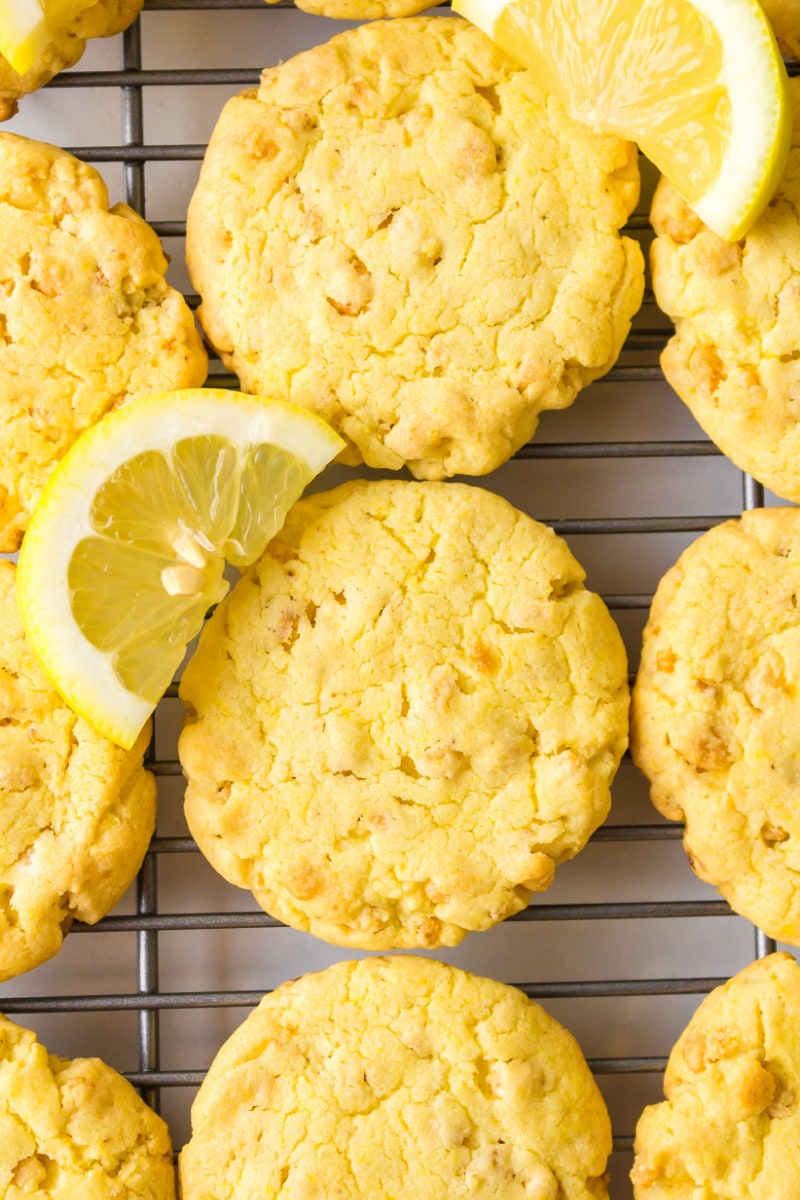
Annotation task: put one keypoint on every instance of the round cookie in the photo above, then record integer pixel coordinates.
(76, 811)
(404, 716)
(86, 317)
(784, 16)
(401, 231)
(715, 717)
(730, 1124)
(75, 1128)
(398, 1077)
(736, 307)
(103, 18)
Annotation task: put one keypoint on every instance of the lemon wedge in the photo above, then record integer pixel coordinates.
(27, 27)
(126, 548)
(699, 85)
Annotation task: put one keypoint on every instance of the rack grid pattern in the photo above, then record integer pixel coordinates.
(149, 921)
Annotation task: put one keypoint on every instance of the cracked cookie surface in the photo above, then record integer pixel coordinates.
(715, 717)
(734, 358)
(76, 811)
(730, 1124)
(401, 232)
(101, 19)
(75, 1128)
(87, 318)
(404, 715)
(398, 1077)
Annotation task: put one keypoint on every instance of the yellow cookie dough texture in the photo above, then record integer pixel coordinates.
(715, 718)
(785, 18)
(75, 1129)
(76, 811)
(396, 1077)
(86, 317)
(736, 306)
(400, 231)
(730, 1124)
(102, 19)
(404, 716)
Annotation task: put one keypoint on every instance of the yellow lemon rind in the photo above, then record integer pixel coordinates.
(758, 151)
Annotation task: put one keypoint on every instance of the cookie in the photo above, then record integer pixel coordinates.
(397, 1077)
(103, 18)
(401, 231)
(76, 811)
(715, 718)
(86, 317)
(730, 1124)
(784, 16)
(404, 716)
(75, 1128)
(736, 307)
(362, 10)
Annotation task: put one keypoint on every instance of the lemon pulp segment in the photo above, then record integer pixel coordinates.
(165, 524)
(126, 550)
(699, 85)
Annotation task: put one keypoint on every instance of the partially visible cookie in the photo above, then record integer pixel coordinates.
(362, 10)
(76, 811)
(103, 18)
(87, 318)
(715, 717)
(398, 1077)
(784, 16)
(75, 1128)
(730, 1124)
(403, 232)
(736, 307)
(404, 716)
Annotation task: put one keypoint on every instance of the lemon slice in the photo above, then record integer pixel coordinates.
(27, 26)
(23, 33)
(126, 548)
(699, 85)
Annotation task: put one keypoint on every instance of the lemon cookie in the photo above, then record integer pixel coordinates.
(86, 316)
(69, 34)
(404, 716)
(784, 16)
(362, 10)
(75, 1128)
(397, 1077)
(730, 1124)
(715, 713)
(401, 231)
(76, 812)
(736, 307)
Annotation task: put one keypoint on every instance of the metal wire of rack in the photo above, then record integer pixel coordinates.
(589, 958)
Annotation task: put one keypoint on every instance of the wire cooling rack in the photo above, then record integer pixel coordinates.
(627, 941)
